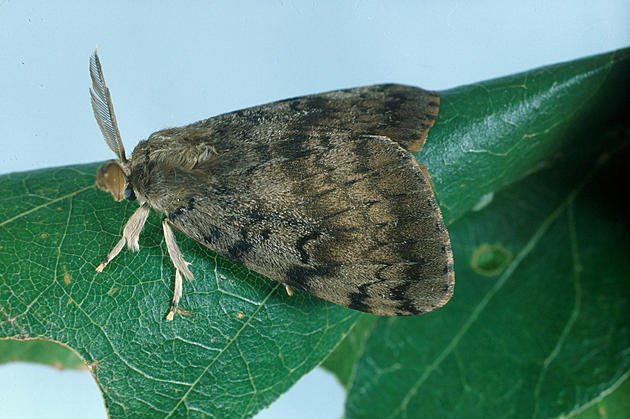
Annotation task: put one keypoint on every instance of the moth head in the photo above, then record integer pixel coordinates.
(113, 175)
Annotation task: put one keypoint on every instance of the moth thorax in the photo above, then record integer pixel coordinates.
(111, 177)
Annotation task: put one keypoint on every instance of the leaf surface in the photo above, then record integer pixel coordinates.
(614, 404)
(244, 344)
(490, 134)
(40, 351)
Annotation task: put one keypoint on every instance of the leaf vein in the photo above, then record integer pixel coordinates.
(577, 269)
(236, 335)
(38, 207)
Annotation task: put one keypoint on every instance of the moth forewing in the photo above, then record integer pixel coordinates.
(319, 192)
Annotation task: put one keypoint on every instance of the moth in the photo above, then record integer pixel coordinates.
(319, 192)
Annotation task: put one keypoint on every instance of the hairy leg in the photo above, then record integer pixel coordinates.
(131, 233)
(181, 266)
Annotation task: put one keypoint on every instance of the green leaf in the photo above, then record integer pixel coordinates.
(539, 324)
(245, 341)
(615, 404)
(493, 133)
(40, 351)
(343, 359)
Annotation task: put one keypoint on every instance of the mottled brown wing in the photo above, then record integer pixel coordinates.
(403, 113)
(349, 218)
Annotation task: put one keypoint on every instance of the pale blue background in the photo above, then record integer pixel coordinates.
(171, 65)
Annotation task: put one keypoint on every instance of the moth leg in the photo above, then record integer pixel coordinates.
(177, 294)
(131, 234)
(289, 290)
(181, 266)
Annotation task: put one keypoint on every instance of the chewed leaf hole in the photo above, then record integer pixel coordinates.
(490, 259)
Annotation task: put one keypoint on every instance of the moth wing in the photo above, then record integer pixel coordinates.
(349, 218)
(403, 113)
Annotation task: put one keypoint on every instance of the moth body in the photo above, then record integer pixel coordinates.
(319, 192)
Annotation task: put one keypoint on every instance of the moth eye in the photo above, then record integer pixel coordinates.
(130, 194)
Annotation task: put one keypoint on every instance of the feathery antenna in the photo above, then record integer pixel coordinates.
(104, 109)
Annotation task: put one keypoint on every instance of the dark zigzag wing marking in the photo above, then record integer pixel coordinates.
(318, 219)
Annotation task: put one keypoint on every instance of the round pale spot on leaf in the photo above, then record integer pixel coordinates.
(490, 259)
